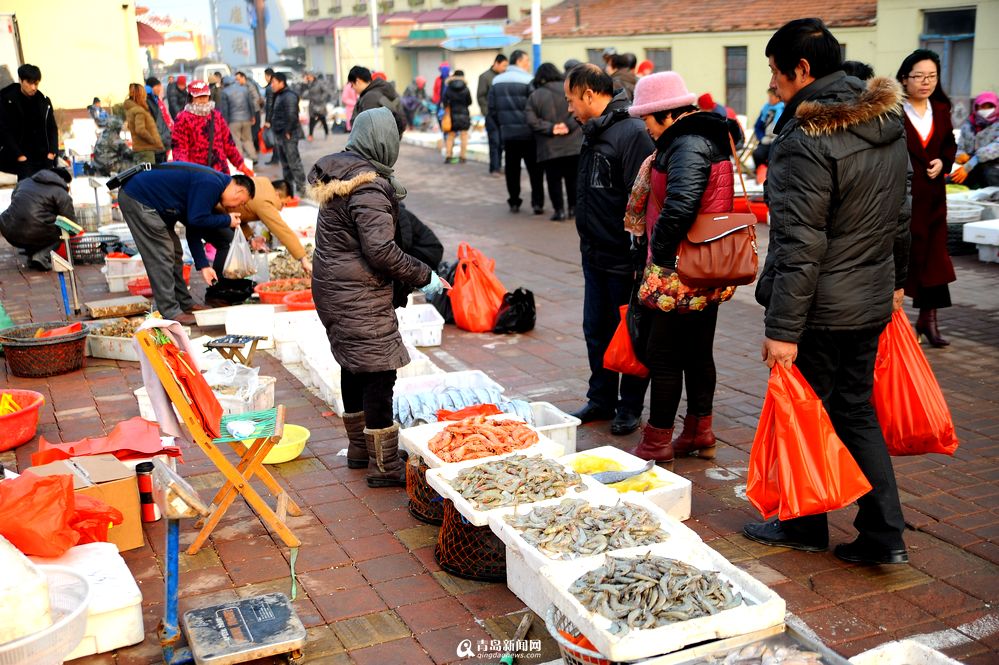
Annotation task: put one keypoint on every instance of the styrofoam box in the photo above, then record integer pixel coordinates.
(982, 233)
(903, 652)
(557, 425)
(673, 497)
(252, 320)
(420, 325)
(988, 253)
(115, 348)
(523, 582)
(439, 480)
(117, 267)
(763, 608)
(472, 378)
(288, 352)
(262, 399)
(217, 316)
(416, 441)
(114, 617)
(287, 324)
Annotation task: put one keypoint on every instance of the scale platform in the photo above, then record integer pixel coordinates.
(244, 630)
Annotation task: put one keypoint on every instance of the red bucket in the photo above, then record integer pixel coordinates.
(272, 297)
(298, 301)
(19, 427)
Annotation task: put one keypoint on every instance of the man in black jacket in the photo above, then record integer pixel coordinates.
(614, 147)
(486, 79)
(29, 138)
(507, 101)
(29, 222)
(372, 93)
(839, 239)
(287, 131)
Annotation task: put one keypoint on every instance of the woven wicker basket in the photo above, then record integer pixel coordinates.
(37, 358)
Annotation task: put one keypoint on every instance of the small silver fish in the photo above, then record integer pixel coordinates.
(611, 477)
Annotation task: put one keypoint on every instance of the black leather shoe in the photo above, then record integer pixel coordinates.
(625, 422)
(514, 207)
(538, 210)
(859, 552)
(559, 216)
(773, 533)
(592, 413)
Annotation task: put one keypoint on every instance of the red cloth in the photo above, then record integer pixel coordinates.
(130, 439)
(206, 406)
(190, 141)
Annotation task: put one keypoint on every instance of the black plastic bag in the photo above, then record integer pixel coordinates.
(226, 292)
(517, 314)
(441, 301)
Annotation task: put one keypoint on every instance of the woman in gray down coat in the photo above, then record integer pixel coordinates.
(356, 261)
(558, 138)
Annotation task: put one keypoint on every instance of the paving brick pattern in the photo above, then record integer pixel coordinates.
(369, 589)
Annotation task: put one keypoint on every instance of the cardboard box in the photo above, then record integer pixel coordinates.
(104, 477)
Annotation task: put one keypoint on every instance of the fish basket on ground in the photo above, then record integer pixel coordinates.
(960, 213)
(471, 552)
(93, 247)
(425, 504)
(36, 358)
(572, 654)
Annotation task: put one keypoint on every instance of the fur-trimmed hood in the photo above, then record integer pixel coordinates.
(338, 175)
(837, 107)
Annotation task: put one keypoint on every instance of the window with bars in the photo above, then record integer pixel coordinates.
(661, 58)
(952, 35)
(735, 78)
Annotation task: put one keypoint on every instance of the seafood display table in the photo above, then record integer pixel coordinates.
(416, 441)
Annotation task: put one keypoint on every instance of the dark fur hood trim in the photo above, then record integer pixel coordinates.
(883, 97)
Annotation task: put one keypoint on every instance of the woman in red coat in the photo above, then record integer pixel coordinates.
(930, 139)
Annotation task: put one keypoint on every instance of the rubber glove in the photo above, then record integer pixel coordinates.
(434, 287)
(959, 176)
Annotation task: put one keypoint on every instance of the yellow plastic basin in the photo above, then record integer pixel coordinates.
(290, 446)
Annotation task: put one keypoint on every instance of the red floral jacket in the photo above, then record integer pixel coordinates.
(190, 141)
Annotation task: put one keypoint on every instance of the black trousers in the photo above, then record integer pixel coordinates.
(557, 170)
(839, 365)
(680, 350)
(515, 152)
(370, 392)
(318, 118)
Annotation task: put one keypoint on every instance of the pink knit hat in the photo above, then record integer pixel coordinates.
(660, 92)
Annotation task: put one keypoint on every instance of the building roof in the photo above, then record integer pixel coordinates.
(643, 17)
(466, 14)
(148, 35)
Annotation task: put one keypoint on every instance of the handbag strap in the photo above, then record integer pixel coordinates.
(738, 169)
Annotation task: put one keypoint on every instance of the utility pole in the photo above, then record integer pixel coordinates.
(375, 37)
(260, 33)
(536, 33)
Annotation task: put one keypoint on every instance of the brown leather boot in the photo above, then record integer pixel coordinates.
(385, 467)
(696, 438)
(357, 450)
(656, 444)
(926, 326)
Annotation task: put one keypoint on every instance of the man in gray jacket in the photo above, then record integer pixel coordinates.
(492, 129)
(238, 110)
(837, 260)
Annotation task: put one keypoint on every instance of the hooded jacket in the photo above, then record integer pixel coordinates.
(458, 97)
(27, 127)
(29, 220)
(356, 261)
(839, 213)
(142, 127)
(236, 104)
(614, 147)
(546, 108)
(381, 93)
(190, 141)
(507, 101)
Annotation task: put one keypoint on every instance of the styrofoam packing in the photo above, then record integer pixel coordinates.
(557, 425)
(908, 651)
(762, 607)
(674, 497)
(416, 441)
(439, 480)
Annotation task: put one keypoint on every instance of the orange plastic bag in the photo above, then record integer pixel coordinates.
(63, 330)
(620, 354)
(477, 293)
(911, 408)
(92, 518)
(35, 514)
(798, 465)
(468, 412)
(130, 439)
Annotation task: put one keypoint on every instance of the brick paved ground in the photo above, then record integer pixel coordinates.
(370, 590)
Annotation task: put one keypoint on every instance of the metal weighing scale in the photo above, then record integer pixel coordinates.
(234, 632)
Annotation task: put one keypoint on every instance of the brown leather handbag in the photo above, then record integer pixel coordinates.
(720, 248)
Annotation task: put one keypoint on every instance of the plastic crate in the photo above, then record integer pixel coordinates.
(557, 425)
(420, 325)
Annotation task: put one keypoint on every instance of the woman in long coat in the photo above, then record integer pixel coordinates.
(929, 136)
(558, 137)
(355, 263)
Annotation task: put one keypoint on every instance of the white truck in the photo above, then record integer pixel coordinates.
(11, 56)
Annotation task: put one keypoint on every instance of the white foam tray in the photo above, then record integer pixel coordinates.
(673, 497)
(536, 559)
(556, 424)
(416, 441)
(217, 316)
(762, 607)
(471, 378)
(439, 480)
(903, 652)
(523, 583)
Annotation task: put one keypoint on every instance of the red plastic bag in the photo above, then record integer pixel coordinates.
(92, 518)
(468, 412)
(203, 401)
(620, 354)
(62, 330)
(798, 466)
(477, 293)
(911, 408)
(130, 439)
(35, 514)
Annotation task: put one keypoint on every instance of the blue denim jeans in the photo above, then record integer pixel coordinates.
(604, 293)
